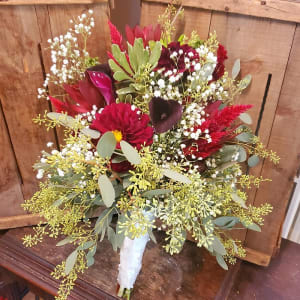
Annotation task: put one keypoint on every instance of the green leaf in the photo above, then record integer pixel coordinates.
(70, 262)
(126, 90)
(253, 227)
(245, 137)
(89, 260)
(226, 221)
(126, 182)
(221, 261)
(176, 176)
(228, 152)
(112, 238)
(103, 220)
(130, 153)
(58, 202)
(106, 145)
(153, 193)
(138, 48)
(242, 154)
(94, 134)
(245, 82)
(218, 246)
(236, 68)
(86, 245)
(238, 200)
(65, 241)
(253, 161)
(120, 76)
(121, 58)
(132, 58)
(107, 190)
(246, 118)
(63, 119)
(155, 55)
(118, 159)
(152, 236)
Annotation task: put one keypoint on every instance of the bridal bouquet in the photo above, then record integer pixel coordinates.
(153, 139)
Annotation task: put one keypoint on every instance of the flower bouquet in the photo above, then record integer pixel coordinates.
(152, 140)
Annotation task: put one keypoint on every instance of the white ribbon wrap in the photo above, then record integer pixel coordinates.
(131, 255)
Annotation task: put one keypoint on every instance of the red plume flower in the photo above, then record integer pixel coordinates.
(218, 127)
(148, 33)
(126, 122)
(220, 68)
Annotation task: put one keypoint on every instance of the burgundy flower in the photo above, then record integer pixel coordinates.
(148, 33)
(126, 123)
(121, 167)
(164, 114)
(95, 89)
(220, 68)
(177, 62)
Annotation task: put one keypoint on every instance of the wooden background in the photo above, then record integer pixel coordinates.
(24, 31)
(266, 37)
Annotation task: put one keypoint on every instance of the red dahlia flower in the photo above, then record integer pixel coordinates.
(218, 126)
(220, 68)
(95, 89)
(127, 124)
(177, 62)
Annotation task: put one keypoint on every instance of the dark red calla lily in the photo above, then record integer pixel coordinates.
(164, 114)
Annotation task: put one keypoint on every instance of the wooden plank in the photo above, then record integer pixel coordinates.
(286, 141)
(19, 221)
(10, 183)
(195, 19)
(50, 2)
(21, 75)
(191, 275)
(285, 10)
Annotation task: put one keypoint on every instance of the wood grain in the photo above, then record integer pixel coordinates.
(50, 2)
(10, 182)
(191, 275)
(19, 221)
(284, 10)
(285, 140)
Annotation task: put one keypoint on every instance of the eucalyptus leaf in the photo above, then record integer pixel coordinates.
(221, 261)
(152, 236)
(86, 245)
(63, 119)
(244, 83)
(58, 202)
(253, 227)
(106, 145)
(130, 153)
(246, 118)
(176, 176)
(238, 200)
(236, 68)
(126, 182)
(112, 238)
(118, 159)
(253, 161)
(226, 221)
(94, 134)
(218, 246)
(89, 260)
(245, 137)
(70, 262)
(107, 190)
(65, 241)
(157, 192)
(242, 154)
